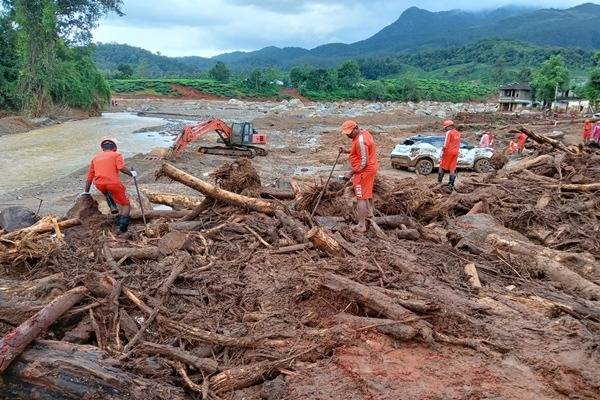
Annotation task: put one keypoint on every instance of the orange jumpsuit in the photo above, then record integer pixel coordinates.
(511, 147)
(587, 130)
(363, 160)
(521, 142)
(450, 150)
(104, 172)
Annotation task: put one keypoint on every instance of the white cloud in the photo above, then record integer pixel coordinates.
(210, 27)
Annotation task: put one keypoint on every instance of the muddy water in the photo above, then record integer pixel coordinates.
(48, 153)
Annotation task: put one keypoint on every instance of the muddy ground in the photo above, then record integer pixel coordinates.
(390, 314)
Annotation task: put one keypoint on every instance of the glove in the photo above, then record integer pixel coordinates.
(341, 149)
(134, 173)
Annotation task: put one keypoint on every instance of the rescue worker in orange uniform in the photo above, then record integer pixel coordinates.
(104, 173)
(521, 143)
(449, 153)
(587, 131)
(511, 147)
(363, 160)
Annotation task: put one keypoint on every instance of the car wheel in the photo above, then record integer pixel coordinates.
(482, 165)
(424, 166)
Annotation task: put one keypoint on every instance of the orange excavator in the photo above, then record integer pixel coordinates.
(238, 139)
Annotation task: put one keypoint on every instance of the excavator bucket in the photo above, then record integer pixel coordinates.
(158, 153)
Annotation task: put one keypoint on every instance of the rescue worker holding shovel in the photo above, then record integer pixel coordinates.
(104, 173)
(363, 160)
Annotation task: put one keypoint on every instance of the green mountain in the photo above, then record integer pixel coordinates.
(418, 38)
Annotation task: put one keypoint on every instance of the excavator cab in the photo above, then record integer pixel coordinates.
(243, 134)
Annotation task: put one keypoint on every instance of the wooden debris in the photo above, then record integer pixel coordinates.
(15, 341)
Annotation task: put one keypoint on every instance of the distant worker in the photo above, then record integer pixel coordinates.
(521, 143)
(449, 153)
(511, 147)
(485, 139)
(596, 135)
(363, 160)
(104, 173)
(587, 131)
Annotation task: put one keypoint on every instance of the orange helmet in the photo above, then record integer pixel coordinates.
(108, 144)
(587, 120)
(448, 123)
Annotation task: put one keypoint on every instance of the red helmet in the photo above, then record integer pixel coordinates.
(448, 123)
(108, 144)
(587, 120)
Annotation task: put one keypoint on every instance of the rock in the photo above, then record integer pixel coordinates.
(17, 217)
(275, 389)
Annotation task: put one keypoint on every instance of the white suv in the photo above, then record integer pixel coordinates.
(422, 153)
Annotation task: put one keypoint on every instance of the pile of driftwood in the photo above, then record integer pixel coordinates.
(242, 285)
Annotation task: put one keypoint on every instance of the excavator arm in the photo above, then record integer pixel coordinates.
(197, 131)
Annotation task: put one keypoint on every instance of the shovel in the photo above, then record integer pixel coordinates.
(137, 189)
(325, 187)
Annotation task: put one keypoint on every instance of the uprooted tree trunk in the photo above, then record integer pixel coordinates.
(262, 206)
(546, 261)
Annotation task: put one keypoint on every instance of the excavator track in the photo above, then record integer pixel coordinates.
(234, 151)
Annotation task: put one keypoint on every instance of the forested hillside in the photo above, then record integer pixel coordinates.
(519, 38)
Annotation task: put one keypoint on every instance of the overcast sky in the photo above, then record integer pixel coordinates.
(207, 28)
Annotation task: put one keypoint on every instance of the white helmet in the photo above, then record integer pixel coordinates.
(108, 144)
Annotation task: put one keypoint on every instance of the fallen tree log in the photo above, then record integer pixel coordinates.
(539, 161)
(545, 139)
(397, 330)
(43, 226)
(144, 253)
(553, 269)
(262, 206)
(590, 187)
(207, 365)
(377, 301)
(319, 237)
(16, 340)
(176, 201)
(61, 370)
(268, 192)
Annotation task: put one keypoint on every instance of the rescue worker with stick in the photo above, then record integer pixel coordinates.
(104, 173)
(363, 160)
(449, 153)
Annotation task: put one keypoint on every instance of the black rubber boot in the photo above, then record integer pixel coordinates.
(451, 183)
(111, 203)
(123, 224)
(440, 177)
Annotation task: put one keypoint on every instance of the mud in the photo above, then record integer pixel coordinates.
(521, 335)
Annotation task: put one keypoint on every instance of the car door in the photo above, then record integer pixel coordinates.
(465, 155)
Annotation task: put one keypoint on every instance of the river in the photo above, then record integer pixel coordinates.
(44, 154)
